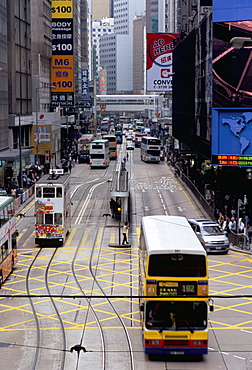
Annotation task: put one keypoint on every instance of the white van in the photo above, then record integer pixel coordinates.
(210, 235)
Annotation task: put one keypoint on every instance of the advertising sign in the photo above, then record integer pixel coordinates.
(62, 73)
(62, 36)
(232, 137)
(62, 64)
(62, 8)
(84, 82)
(159, 61)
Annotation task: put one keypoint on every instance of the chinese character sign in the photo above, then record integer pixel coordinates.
(84, 82)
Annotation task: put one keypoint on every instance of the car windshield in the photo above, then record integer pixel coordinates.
(212, 229)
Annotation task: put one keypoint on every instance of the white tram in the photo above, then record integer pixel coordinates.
(52, 208)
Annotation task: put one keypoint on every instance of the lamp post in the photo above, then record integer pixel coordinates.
(20, 153)
(37, 131)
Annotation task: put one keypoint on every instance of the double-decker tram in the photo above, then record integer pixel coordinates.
(84, 147)
(8, 237)
(99, 154)
(174, 287)
(52, 208)
(112, 146)
(150, 149)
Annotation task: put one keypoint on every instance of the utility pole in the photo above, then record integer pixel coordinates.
(95, 90)
(20, 153)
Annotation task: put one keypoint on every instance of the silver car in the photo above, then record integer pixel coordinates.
(210, 235)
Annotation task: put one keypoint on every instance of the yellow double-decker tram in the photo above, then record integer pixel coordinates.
(174, 287)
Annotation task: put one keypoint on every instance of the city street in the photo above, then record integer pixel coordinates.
(42, 331)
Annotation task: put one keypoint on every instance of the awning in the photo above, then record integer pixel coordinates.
(12, 155)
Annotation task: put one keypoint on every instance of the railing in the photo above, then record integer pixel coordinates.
(204, 204)
(240, 241)
(22, 198)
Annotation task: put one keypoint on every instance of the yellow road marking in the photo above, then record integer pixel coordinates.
(99, 236)
(85, 236)
(70, 237)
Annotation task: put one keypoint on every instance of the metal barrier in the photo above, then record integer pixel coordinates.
(240, 241)
(204, 204)
(22, 198)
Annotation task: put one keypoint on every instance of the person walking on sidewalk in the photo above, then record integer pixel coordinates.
(125, 233)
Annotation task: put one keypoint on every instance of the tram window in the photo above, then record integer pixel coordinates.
(39, 218)
(49, 192)
(38, 192)
(4, 249)
(59, 192)
(58, 218)
(48, 219)
(3, 216)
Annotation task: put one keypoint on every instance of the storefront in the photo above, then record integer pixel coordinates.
(10, 163)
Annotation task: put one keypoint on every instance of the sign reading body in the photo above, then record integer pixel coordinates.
(159, 61)
(62, 66)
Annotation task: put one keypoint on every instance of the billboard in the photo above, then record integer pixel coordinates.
(62, 64)
(232, 94)
(159, 61)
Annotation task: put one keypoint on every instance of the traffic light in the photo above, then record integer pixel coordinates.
(118, 213)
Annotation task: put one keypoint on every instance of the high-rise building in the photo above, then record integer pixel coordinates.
(116, 50)
(102, 27)
(139, 55)
(3, 81)
(41, 53)
(100, 9)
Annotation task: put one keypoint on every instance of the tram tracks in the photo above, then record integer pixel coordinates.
(93, 304)
(40, 316)
(54, 338)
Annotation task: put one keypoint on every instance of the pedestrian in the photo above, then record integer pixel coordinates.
(241, 226)
(70, 166)
(127, 156)
(125, 233)
(232, 224)
(112, 207)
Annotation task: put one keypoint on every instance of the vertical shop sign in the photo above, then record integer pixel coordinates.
(62, 65)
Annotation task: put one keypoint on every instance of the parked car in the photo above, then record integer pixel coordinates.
(210, 234)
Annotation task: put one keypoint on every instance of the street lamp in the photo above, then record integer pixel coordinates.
(37, 132)
(20, 153)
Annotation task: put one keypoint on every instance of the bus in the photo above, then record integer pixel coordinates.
(138, 139)
(173, 286)
(99, 154)
(112, 146)
(52, 208)
(8, 237)
(119, 136)
(150, 149)
(83, 147)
